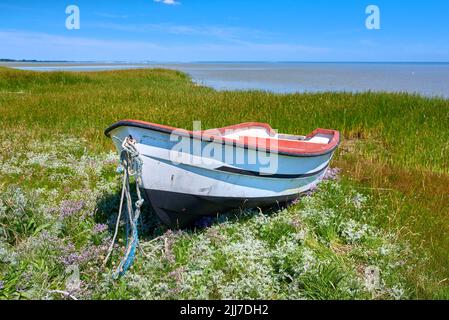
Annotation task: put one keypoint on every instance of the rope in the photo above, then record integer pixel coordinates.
(131, 165)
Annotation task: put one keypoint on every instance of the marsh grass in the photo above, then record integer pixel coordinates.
(58, 190)
(402, 129)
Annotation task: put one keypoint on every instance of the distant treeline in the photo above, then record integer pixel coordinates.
(25, 60)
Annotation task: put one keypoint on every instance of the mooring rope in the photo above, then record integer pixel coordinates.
(131, 165)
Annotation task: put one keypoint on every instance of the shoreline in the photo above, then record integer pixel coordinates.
(426, 80)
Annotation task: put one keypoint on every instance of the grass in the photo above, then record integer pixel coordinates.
(388, 211)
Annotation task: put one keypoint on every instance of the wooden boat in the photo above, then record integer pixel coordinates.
(189, 174)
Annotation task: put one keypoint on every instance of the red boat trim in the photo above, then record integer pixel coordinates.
(283, 147)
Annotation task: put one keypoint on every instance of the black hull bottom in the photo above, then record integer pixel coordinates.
(179, 210)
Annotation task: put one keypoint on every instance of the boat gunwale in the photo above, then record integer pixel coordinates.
(207, 136)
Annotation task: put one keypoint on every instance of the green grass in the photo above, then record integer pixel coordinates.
(389, 210)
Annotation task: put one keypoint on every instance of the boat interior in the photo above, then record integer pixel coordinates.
(264, 131)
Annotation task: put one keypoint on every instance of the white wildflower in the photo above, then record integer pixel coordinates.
(398, 292)
(353, 231)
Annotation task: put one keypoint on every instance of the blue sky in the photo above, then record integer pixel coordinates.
(225, 30)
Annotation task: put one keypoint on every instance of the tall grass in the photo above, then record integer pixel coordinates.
(401, 129)
(395, 148)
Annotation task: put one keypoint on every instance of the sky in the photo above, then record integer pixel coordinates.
(225, 30)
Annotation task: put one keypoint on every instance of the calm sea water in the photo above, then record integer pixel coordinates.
(429, 79)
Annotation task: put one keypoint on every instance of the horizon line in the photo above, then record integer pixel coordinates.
(209, 61)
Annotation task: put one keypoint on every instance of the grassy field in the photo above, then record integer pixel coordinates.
(378, 231)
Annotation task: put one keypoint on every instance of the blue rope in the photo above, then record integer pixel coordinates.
(130, 159)
(130, 260)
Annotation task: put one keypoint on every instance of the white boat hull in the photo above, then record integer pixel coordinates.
(181, 191)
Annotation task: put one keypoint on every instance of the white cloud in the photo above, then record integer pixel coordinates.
(169, 2)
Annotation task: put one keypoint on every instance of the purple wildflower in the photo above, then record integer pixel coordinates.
(332, 174)
(312, 189)
(214, 236)
(2, 285)
(68, 249)
(295, 223)
(87, 254)
(75, 258)
(110, 161)
(46, 237)
(100, 228)
(295, 202)
(50, 242)
(69, 208)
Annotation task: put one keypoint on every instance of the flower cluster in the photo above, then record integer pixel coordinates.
(100, 228)
(89, 253)
(313, 250)
(332, 174)
(69, 208)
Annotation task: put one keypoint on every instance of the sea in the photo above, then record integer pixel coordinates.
(427, 79)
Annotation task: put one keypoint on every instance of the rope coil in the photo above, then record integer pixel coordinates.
(131, 166)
